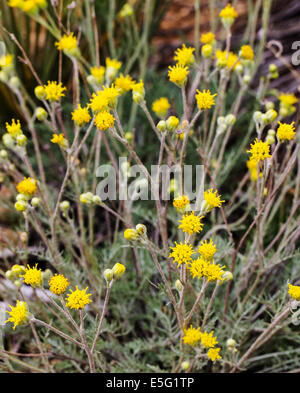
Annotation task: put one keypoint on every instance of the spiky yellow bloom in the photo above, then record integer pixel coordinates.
(207, 249)
(27, 186)
(161, 106)
(111, 93)
(205, 99)
(60, 140)
(231, 61)
(181, 202)
(104, 120)
(67, 42)
(191, 224)
(81, 116)
(286, 132)
(207, 38)
(113, 63)
(184, 56)
(18, 314)
(212, 199)
(14, 129)
(138, 92)
(124, 83)
(58, 284)
(78, 299)
(246, 52)
(54, 91)
(182, 253)
(294, 291)
(288, 99)
(33, 276)
(259, 150)
(99, 102)
(98, 73)
(213, 272)
(178, 74)
(213, 354)
(228, 12)
(196, 267)
(191, 336)
(208, 340)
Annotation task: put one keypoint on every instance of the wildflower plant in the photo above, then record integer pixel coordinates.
(208, 277)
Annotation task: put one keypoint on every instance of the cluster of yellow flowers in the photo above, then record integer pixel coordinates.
(28, 6)
(27, 188)
(193, 336)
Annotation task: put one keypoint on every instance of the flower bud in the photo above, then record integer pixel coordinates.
(18, 283)
(46, 274)
(8, 274)
(257, 116)
(14, 82)
(21, 197)
(108, 274)
(97, 200)
(172, 123)
(272, 132)
(162, 125)
(86, 198)
(238, 68)
(64, 206)
(273, 68)
(178, 286)
(21, 140)
(3, 154)
(270, 139)
(21, 206)
(230, 344)
(221, 120)
(129, 136)
(40, 92)
(8, 141)
(35, 202)
(227, 276)
(230, 120)
(130, 234)
(207, 51)
(283, 112)
(185, 365)
(118, 270)
(269, 105)
(41, 114)
(141, 229)
(246, 79)
(271, 115)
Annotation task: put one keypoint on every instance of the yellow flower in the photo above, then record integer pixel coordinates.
(118, 270)
(213, 272)
(112, 67)
(207, 38)
(14, 129)
(246, 52)
(205, 99)
(191, 224)
(182, 253)
(111, 93)
(228, 12)
(138, 91)
(124, 83)
(6, 61)
(294, 291)
(99, 102)
(104, 120)
(27, 186)
(54, 91)
(286, 132)
(68, 43)
(212, 199)
(231, 61)
(178, 74)
(196, 267)
(15, 3)
(58, 284)
(207, 250)
(60, 140)
(98, 73)
(81, 116)
(78, 299)
(208, 340)
(252, 166)
(33, 276)
(184, 56)
(18, 314)
(288, 99)
(181, 202)
(191, 336)
(213, 354)
(130, 234)
(259, 150)
(161, 106)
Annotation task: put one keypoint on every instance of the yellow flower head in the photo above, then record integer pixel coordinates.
(208, 340)
(58, 284)
(33, 276)
(294, 292)
(111, 93)
(60, 140)
(178, 74)
(184, 56)
(124, 83)
(207, 249)
(182, 253)
(246, 52)
(54, 91)
(81, 116)
(212, 199)
(138, 91)
(228, 12)
(68, 43)
(18, 314)
(196, 267)
(287, 99)
(99, 102)
(213, 354)
(14, 129)
(191, 336)
(27, 186)
(161, 106)
(259, 150)
(6, 61)
(191, 224)
(252, 166)
(98, 73)
(78, 299)
(15, 3)
(104, 120)
(113, 63)
(181, 202)
(213, 272)
(130, 234)
(231, 61)
(205, 99)
(286, 132)
(207, 38)
(118, 270)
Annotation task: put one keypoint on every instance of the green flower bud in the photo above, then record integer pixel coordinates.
(35, 202)
(141, 229)
(108, 274)
(185, 365)
(3, 154)
(21, 140)
(230, 120)
(178, 286)
(15, 82)
(40, 92)
(41, 114)
(162, 125)
(96, 200)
